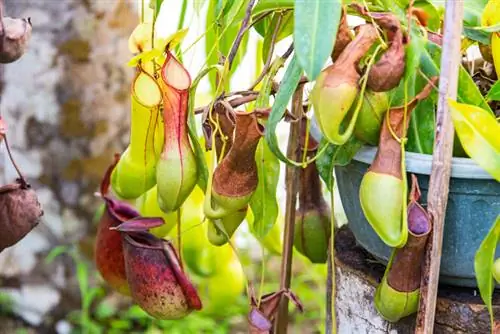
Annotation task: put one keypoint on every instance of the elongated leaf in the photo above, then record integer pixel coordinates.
(412, 61)
(483, 266)
(55, 252)
(199, 154)
(494, 93)
(287, 88)
(336, 156)
(477, 35)
(468, 92)
(487, 29)
(326, 163)
(264, 203)
(478, 132)
(271, 5)
(198, 150)
(422, 126)
(422, 122)
(315, 31)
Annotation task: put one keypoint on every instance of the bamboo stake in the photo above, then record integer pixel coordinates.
(3, 177)
(437, 197)
(291, 178)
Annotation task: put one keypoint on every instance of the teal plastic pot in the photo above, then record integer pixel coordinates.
(473, 205)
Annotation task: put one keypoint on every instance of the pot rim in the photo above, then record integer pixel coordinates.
(461, 168)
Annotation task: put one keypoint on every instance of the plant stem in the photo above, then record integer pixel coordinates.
(179, 237)
(441, 164)
(21, 177)
(291, 179)
(331, 290)
(267, 65)
(2, 27)
(246, 97)
(241, 32)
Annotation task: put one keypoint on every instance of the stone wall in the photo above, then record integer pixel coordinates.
(66, 106)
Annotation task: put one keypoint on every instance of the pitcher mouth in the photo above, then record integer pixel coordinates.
(173, 67)
(146, 240)
(259, 127)
(143, 240)
(119, 210)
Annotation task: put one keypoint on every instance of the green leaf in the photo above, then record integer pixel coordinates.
(477, 35)
(316, 24)
(422, 122)
(55, 252)
(483, 266)
(433, 19)
(494, 93)
(199, 154)
(272, 5)
(473, 10)
(397, 7)
(198, 150)
(82, 275)
(325, 164)
(412, 61)
(468, 91)
(264, 203)
(488, 29)
(105, 310)
(478, 132)
(287, 88)
(422, 126)
(336, 156)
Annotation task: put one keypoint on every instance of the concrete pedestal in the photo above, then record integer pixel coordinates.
(459, 310)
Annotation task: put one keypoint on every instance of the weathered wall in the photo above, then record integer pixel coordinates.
(66, 106)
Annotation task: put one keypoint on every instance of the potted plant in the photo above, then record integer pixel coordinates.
(372, 187)
(379, 90)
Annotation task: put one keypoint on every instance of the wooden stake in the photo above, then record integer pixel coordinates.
(437, 197)
(291, 178)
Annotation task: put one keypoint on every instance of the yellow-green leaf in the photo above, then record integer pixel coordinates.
(172, 40)
(478, 131)
(483, 265)
(144, 57)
